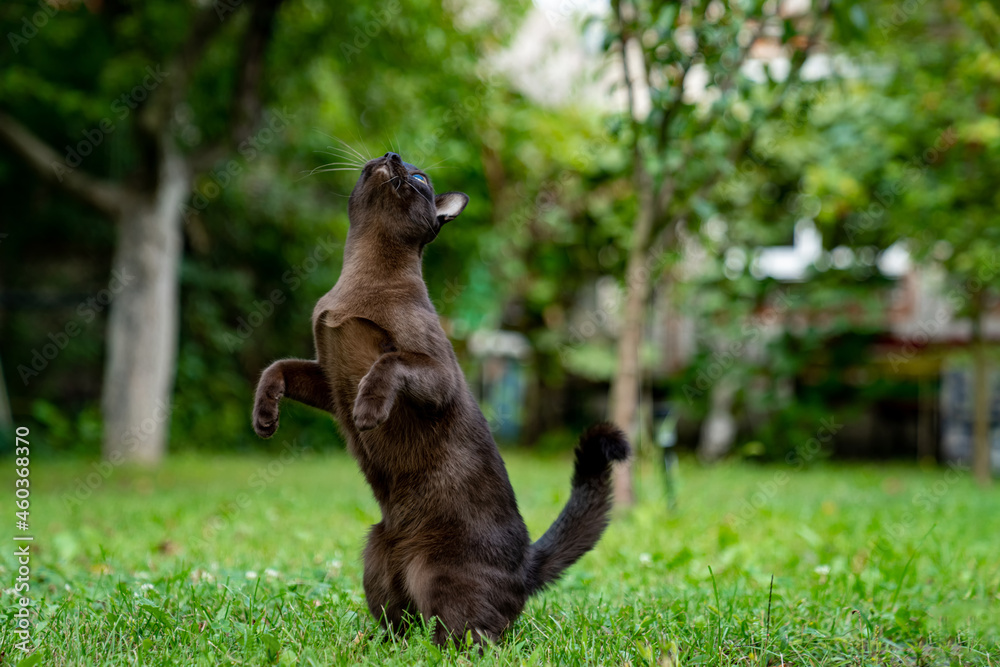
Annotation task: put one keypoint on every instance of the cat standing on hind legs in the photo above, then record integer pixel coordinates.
(451, 543)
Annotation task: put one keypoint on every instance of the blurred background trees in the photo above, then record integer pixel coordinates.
(163, 146)
(774, 221)
(691, 116)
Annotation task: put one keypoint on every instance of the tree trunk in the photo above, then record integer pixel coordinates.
(143, 321)
(926, 446)
(981, 401)
(718, 431)
(6, 418)
(625, 385)
(6, 421)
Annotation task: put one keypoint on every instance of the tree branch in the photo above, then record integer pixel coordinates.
(794, 76)
(158, 110)
(671, 111)
(104, 196)
(246, 106)
(624, 37)
(741, 60)
(246, 103)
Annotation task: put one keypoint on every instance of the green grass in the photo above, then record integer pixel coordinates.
(223, 561)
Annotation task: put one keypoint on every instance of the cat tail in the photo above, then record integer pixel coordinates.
(586, 514)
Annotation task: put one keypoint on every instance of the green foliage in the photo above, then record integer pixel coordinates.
(553, 195)
(893, 143)
(261, 233)
(758, 565)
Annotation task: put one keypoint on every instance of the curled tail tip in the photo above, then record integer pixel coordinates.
(608, 439)
(587, 512)
(600, 445)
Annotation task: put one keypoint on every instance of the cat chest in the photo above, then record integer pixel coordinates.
(346, 353)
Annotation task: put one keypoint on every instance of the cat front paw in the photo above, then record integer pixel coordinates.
(371, 412)
(374, 401)
(265, 416)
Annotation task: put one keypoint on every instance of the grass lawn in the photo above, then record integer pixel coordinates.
(246, 561)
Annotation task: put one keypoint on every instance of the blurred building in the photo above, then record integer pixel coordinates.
(919, 339)
(916, 341)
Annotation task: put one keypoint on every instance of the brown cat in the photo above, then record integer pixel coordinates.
(451, 543)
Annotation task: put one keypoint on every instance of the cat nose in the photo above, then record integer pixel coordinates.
(393, 156)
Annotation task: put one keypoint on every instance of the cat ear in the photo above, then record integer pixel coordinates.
(449, 205)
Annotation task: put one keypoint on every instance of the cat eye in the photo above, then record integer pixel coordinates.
(420, 177)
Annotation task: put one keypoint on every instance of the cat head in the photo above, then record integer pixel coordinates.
(397, 199)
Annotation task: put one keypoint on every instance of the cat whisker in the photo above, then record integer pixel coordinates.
(430, 226)
(351, 148)
(324, 171)
(365, 146)
(341, 160)
(390, 180)
(340, 152)
(347, 159)
(345, 151)
(343, 143)
(318, 170)
(307, 173)
(341, 164)
(437, 163)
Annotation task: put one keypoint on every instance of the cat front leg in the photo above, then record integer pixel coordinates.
(421, 378)
(377, 393)
(299, 379)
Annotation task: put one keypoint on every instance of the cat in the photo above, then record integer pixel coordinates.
(451, 544)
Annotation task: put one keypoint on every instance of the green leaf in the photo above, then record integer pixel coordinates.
(665, 21)
(32, 660)
(270, 642)
(157, 613)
